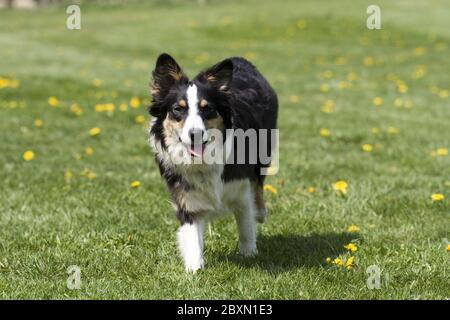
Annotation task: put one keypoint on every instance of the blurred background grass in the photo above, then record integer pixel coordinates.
(343, 89)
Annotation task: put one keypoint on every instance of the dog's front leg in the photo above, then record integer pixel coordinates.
(190, 243)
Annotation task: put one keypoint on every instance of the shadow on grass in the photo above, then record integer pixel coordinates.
(281, 253)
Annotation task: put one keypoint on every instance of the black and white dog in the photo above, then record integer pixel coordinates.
(230, 95)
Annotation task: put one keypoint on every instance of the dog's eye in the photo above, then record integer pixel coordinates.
(178, 109)
(209, 112)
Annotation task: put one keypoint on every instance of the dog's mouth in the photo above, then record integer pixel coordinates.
(197, 150)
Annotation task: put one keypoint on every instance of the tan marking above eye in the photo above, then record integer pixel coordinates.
(182, 103)
(203, 103)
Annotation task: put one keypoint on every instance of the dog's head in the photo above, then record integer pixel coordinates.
(186, 111)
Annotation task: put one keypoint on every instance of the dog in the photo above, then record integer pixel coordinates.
(231, 95)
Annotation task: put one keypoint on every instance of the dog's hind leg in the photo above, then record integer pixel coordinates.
(260, 206)
(246, 222)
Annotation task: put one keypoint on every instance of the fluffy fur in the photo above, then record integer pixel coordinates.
(230, 95)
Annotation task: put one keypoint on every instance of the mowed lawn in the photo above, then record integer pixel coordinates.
(369, 108)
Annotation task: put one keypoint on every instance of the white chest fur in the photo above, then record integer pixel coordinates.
(209, 194)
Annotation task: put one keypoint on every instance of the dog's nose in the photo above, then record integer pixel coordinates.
(196, 135)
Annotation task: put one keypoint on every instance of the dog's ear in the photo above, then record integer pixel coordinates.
(167, 73)
(220, 75)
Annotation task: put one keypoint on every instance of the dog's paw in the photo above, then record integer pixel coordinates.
(193, 267)
(261, 215)
(248, 250)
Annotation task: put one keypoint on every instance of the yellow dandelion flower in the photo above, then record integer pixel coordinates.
(434, 89)
(329, 103)
(328, 260)
(99, 107)
(340, 61)
(364, 41)
(135, 102)
(88, 174)
(338, 262)
(28, 155)
(402, 88)
(349, 262)
(68, 176)
(202, 58)
(135, 184)
(352, 228)
(123, 107)
(53, 102)
(226, 20)
(324, 132)
(250, 55)
(13, 83)
(91, 175)
(109, 107)
(94, 132)
(352, 76)
(419, 72)
(378, 101)
(369, 61)
(328, 74)
(437, 197)
(301, 24)
(89, 151)
(340, 186)
(367, 147)
(76, 109)
(324, 87)
(104, 107)
(351, 247)
(269, 187)
(4, 83)
(294, 98)
(442, 152)
(139, 119)
(320, 61)
(327, 108)
(419, 51)
(398, 102)
(13, 104)
(375, 130)
(38, 123)
(393, 130)
(311, 190)
(97, 82)
(444, 93)
(343, 85)
(448, 247)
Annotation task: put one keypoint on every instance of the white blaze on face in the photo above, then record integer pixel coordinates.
(193, 120)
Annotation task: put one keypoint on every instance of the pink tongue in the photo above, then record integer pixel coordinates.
(197, 150)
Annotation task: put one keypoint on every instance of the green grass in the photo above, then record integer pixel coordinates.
(123, 239)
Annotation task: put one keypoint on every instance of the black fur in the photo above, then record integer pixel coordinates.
(250, 103)
(239, 94)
